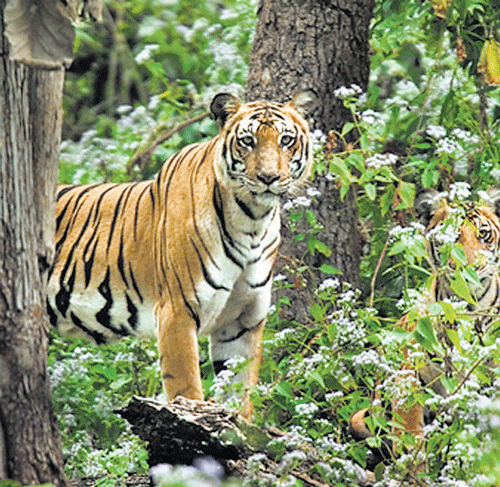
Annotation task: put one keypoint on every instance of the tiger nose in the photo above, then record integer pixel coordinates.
(267, 178)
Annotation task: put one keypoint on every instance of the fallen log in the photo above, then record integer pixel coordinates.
(181, 431)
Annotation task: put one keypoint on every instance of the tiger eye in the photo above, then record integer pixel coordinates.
(483, 233)
(246, 141)
(287, 140)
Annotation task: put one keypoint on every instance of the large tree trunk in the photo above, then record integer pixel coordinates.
(301, 44)
(30, 131)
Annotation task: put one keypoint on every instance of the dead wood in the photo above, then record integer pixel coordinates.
(183, 430)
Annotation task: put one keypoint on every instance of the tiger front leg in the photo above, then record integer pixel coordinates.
(178, 353)
(236, 341)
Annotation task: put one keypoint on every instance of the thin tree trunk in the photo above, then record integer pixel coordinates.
(323, 45)
(30, 131)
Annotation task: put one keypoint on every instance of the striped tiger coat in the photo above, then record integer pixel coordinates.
(190, 253)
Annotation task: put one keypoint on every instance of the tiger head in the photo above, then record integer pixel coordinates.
(475, 226)
(264, 152)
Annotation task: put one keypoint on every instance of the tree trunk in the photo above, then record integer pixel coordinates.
(30, 131)
(301, 44)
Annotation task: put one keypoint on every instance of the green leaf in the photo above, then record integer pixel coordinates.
(357, 160)
(314, 244)
(332, 331)
(435, 309)
(449, 311)
(374, 441)
(460, 288)
(318, 378)
(371, 191)
(284, 389)
(367, 176)
(397, 334)
(347, 128)
(406, 192)
(338, 166)
(343, 191)
(458, 255)
(329, 269)
(379, 472)
(317, 312)
(424, 334)
(386, 199)
(470, 276)
(311, 218)
(358, 453)
(453, 336)
(430, 178)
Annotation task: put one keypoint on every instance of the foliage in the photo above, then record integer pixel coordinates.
(88, 384)
(427, 120)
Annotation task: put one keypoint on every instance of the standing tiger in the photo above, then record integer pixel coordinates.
(189, 253)
(479, 234)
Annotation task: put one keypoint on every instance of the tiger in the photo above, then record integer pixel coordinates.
(189, 253)
(479, 235)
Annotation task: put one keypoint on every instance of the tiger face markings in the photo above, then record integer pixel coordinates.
(265, 158)
(479, 234)
(190, 253)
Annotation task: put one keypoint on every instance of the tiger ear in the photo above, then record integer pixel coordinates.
(305, 102)
(425, 205)
(223, 106)
(494, 198)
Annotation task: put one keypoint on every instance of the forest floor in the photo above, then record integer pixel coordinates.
(130, 481)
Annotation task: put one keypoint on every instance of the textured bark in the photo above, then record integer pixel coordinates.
(184, 430)
(30, 128)
(302, 44)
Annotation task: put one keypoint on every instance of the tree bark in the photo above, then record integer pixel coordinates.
(30, 131)
(184, 430)
(323, 45)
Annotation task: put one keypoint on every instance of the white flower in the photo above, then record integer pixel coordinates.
(308, 409)
(331, 396)
(344, 92)
(443, 234)
(302, 201)
(447, 146)
(495, 173)
(160, 471)
(145, 54)
(317, 136)
(123, 109)
(370, 117)
(210, 467)
(312, 192)
(435, 131)
(460, 191)
(378, 160)
(329, 283)
(483, 195)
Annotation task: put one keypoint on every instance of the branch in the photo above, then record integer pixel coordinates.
(182, 430)
(142, 156)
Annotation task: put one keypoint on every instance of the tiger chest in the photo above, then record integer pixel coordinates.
(244, 298)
